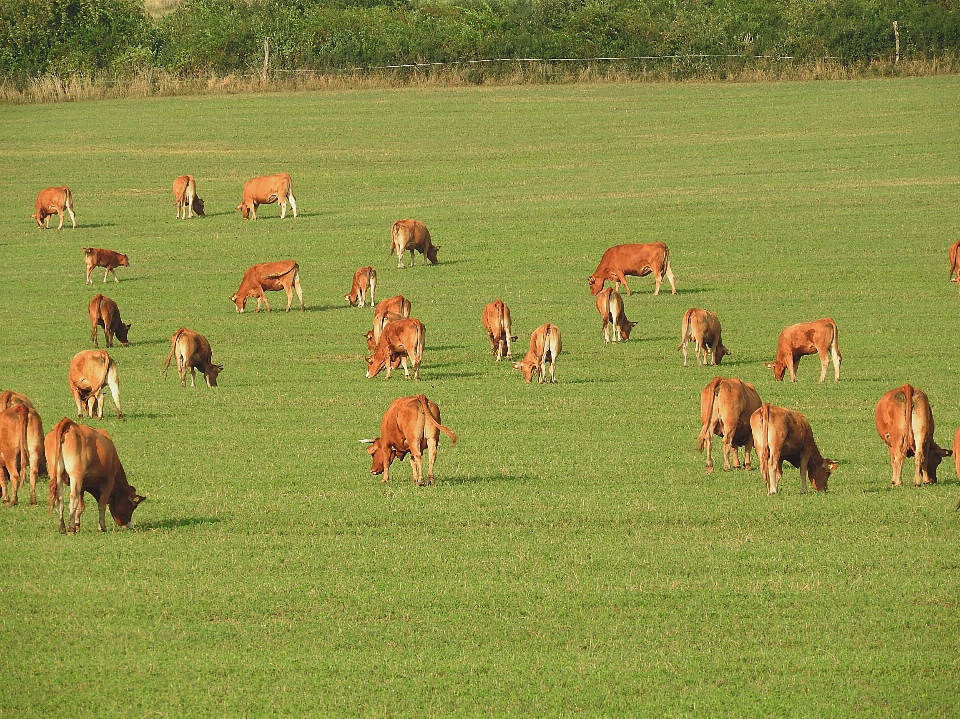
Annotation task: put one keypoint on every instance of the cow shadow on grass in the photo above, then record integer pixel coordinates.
(95, 226)
(141, 343)
(178, 523)
(447, 375)
(484, 479)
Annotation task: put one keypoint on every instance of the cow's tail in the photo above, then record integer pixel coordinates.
(764, 436)
(685, 328)
(908, 438)
(419, 342)
(835, 344)
(422, 399)
(23, 415)
(67, 198)
(707, 412)
(393, 236)
(954, 252)
(53, 467)
(173, 348)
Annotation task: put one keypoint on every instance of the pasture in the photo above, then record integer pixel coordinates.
(573, 558)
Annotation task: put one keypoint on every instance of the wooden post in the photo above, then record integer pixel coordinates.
(266, 58)
(896, 41)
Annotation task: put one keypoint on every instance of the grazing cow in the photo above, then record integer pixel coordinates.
(108, 259)
(21, 440)
(185, 197)
(86, 459)
(807, 338)
(9, 398)
(412, 235)
(545, 345)
(726, 405)
(703, 329)
(954, 257)
(105, 313)
(381, 320)
(269, 276)
(365, 277)
(410, 425)
(192, 352)
(401, 339)
(398, 304)
(905, 424)
(265, 191)
(90, 370)
(54, 200)
(610, 307)
(496, 320)
(638, 260)
(782, 434)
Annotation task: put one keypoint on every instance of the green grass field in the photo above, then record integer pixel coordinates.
(574, 558)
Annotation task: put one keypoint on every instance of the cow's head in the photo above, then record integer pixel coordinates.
(241, 304)
(719, 352)
(596, 284)
(432, 254)
(779, 369)
(353, 298)
(378, 460)
(122, 260)
(39, 216)
(122, 504)
(934, 458)
(820, 473)
(210, 373)
(375, 363)
(371, 342)
(121, 333)
(198, 206)
(625, 329)
(528, 368)
(244, 210)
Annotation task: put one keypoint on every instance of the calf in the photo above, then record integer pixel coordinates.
(905, 423)
(610, 307)
(105, 313)
(265, 191)
(807, 338)
(496, 320)
(108, 259)
(365, 277)
(638, 260)
(193, 352)
(410, 425)
(90, 370)
(185, 197)
(545, 345)
(86, 459)
(269, 276)
(402, 339)
(411, 235)
(21, 441)
(54, 200)
(726, 405)
(782, 434)
(703, 329)
(398, 304)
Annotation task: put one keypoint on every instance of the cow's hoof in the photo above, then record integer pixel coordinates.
(63, 529)
(33, 501)
(710, 470)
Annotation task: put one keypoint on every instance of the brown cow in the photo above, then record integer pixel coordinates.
(54, 200)
(108, 259)
(410, 425)
(90, 370)
(638, 260)
(269, 276)
(105, 313)
(411, 235)
(496, 320)
(381, 320)
(364, 278)
(185, 197)
(398, 304)
(807, 338)
(782, 434)
(193, 352)
(726, 405)
(401, 339)
(703, 329)
(954, 257)
(545, 345)
(21, 440)
(610, 307)
(9, 398)
(265, 191)
(905, 423)
(86, 459)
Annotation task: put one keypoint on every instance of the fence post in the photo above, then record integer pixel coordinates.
(266, 58)
(896, 41)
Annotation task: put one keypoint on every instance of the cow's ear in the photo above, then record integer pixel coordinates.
(830, 464)
(516, 365)
(137, 499)
(768, 365)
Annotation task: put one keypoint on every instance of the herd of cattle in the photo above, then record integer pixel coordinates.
(86, 460)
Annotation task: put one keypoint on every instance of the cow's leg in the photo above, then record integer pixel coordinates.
(193, 375)
(283, 207)
(78, 400)
(673, 287)
(657, 280)
(683, 346)
(622, 278)
(289, 290)
(793, 369)
(804, 466)
(824, 361)
(920, 475)
(76, 491)
(431, 456)
(114, 386)
(14, 473)
(109, 336)
(727, 449)
(89, 272)
(60, 214)
(263, 295)
(400, 250)
(293, 204)
(102, 507)
(182, 369)
(4, 485)
(403, 361)
(836, 365)
(896, 462)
